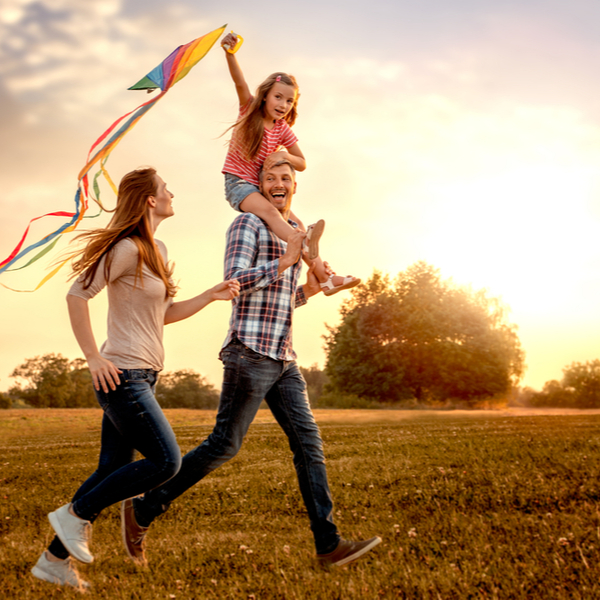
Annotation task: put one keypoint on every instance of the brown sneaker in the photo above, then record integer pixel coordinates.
(347, 551)
(133, 534)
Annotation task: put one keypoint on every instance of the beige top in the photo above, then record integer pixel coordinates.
(136, 314)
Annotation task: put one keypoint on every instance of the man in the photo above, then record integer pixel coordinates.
(259, 362)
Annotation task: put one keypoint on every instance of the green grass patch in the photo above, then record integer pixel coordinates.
(469, 505)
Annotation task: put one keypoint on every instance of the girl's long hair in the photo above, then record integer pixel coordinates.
(248, 131)
(129, 220)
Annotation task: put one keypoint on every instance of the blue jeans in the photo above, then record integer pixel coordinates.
(132, 420)
(248, 378)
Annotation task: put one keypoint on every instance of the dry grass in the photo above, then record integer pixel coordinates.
(469, 505)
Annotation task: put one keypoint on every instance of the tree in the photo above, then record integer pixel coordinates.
(579, 388)
(82, 395)
(5, 401)
(583, 381)
(186, 389)
(52, 381)
(47, 381)
(422, 338)
(315, 381)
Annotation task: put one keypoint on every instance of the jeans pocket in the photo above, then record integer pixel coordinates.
(252, 356)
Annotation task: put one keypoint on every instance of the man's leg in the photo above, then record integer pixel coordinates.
(288, 402)
(247, 378)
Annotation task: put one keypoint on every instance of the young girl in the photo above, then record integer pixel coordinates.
(263, 126)
(126, 259)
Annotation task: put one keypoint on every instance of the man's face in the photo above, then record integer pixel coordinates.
(278, 186)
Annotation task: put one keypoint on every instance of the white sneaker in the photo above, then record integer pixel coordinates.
(73, 532)
(62, 572)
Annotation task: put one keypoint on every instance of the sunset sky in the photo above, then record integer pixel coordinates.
(465, 134)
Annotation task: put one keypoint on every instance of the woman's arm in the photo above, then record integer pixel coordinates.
(226, 290)
(104, 373)
(241, 87)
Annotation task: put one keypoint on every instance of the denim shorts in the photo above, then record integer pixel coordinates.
(237, 189)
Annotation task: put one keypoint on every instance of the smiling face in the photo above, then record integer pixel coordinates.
(278, 185)
(279, 101)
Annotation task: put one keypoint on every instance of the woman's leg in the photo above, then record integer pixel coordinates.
(115, 452)
(137, 416)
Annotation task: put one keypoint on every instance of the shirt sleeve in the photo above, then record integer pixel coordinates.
(300, 299)
(123, 260)
(240, 255)
(288, 139)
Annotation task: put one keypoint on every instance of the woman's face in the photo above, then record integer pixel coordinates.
(163, 207)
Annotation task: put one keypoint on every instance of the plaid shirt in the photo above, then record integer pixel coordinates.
(262, 314)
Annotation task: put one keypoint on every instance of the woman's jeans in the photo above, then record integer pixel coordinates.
(248, 378)
(133, 420)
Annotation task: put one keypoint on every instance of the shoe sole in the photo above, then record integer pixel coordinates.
(315, 236)
(358, 554)
(344, 286)
(135, 559)
(37, 572)
(61, 535)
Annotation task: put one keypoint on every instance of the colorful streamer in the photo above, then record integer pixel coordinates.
(171, 70)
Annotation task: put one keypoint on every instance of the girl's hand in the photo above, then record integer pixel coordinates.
(104, 374)
(226, 290)
(275, 157)
(229, 40)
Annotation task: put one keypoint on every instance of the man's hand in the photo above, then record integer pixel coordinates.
(312, 285)
(293, 251)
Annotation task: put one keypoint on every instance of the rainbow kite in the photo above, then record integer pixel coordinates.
(171, 70)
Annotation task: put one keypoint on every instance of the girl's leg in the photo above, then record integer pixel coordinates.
(258, 205)
(332, 283)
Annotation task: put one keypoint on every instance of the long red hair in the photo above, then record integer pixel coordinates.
(129, 220)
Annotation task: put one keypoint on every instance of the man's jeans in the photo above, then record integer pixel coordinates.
(133, 420)
(248, 378)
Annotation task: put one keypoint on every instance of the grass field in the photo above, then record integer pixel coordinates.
(469, 505)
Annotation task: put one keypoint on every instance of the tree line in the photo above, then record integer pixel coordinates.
(415, 340)
(53, 381)
(578, 388)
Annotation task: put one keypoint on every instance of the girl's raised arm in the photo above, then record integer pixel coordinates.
(241, 87)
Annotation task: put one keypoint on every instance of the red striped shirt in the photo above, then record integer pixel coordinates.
(237, 164)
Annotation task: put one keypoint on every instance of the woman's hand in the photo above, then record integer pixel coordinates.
(104, 374)
(226, 290)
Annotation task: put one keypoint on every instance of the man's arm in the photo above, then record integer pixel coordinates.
(242, 249)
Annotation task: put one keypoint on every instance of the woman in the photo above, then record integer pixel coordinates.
(127, 259)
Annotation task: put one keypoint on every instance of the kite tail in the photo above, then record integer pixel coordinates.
(174, 68)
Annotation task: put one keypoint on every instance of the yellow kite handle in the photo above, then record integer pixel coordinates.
(237, 46)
